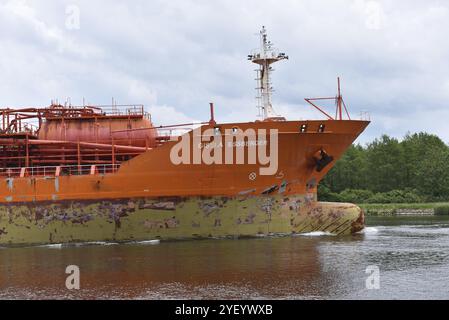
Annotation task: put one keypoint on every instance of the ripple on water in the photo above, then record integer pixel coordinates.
(369, 230)
(316, 234)
(413, 259)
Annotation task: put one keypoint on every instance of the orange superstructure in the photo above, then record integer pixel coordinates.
(94, 173)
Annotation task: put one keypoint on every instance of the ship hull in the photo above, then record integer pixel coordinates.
(142, 219)
(152, 197)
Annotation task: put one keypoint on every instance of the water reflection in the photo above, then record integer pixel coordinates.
(257, 266)
(413, 255)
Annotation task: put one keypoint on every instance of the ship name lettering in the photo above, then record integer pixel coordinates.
(234, 147)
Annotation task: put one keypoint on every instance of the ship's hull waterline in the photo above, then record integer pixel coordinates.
(173, 219)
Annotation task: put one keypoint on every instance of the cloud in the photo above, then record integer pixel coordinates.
(177, 56)
(23, 16)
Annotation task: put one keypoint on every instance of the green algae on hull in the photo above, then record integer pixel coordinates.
(177, 218)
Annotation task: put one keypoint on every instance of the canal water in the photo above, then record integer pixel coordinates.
(394, 258)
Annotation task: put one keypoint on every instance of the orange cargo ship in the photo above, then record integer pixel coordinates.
(96, 173)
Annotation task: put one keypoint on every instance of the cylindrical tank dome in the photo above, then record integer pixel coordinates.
(137, 131)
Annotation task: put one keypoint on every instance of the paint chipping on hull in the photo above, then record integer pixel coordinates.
(186, 218)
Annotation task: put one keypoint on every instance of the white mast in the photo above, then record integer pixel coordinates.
(264, 57)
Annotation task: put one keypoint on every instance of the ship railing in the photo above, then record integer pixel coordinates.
(122, 110)
(58, 111)
(29, 128)
(173, 133)
(20, 128)
(365, 116)
(271, 53)
(56, 171)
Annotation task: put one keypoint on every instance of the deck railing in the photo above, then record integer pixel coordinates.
(122, 110)
(56, 171)
(365, 116)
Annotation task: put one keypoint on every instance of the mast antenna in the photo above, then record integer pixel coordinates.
(264, 57)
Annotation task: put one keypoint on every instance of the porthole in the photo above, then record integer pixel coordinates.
(321, 128)
(303, 128)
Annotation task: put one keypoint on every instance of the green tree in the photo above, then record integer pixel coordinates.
(418, 147)
(349, 172)
(432, 175)
(415, 169)
(385, 160)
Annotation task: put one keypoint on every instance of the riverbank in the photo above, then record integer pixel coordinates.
(389, 209)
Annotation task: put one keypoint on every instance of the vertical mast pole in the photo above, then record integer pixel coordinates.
(264, 57)
(339, 100)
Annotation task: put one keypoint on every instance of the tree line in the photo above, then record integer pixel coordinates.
(415, 169)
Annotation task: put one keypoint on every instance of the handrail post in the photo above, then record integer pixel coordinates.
(79, 158)
(27, 151)
(113, 156)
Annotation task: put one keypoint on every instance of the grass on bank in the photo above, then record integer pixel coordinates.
(439, 208)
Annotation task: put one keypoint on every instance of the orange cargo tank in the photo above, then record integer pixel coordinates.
(125, 125)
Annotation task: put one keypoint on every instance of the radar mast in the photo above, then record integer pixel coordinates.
(264, 57)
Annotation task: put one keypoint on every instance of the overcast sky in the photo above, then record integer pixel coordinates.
(177, 56)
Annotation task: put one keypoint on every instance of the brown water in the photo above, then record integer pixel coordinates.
(412, 254)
